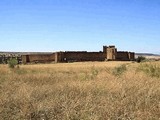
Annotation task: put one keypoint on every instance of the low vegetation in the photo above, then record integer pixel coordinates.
(119, 70)
(150, 69)
(81, 91)
(140, 59)
(12, 63)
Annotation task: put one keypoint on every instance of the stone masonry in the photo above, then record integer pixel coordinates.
(109, 53)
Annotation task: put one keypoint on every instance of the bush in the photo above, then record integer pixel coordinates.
(12, 63)
(140, 59)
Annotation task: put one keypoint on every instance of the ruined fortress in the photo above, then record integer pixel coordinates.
(109, 53)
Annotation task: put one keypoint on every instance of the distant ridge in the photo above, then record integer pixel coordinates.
(146, 54)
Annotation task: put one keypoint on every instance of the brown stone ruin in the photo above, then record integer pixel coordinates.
(109, 53)
(36, 58)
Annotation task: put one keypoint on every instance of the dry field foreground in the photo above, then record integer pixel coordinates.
(81, 91)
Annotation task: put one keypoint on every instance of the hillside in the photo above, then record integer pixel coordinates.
(148, 55)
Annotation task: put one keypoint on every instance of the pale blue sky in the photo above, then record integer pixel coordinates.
(53, 25)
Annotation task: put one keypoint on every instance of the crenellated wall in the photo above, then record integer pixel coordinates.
(122, 56)
(109, 53)
(125, 56)
(84, 56)
(38, 58)
(59, 57)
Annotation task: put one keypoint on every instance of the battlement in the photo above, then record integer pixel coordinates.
(109, 53)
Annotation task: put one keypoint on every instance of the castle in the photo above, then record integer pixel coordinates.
(109, 53)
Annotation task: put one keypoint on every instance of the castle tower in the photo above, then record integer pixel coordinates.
(110, 52)
(105, 51)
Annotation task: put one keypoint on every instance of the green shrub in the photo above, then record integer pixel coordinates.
(152, 70)
(140, 59)
(119, 70)
(12, 63)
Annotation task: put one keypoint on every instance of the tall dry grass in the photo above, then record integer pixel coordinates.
(80, 91)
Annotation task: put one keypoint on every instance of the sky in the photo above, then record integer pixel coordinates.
(80, 25)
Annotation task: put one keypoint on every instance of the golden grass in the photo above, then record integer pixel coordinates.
(79, 91)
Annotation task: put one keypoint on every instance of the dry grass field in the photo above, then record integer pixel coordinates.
(81, 91)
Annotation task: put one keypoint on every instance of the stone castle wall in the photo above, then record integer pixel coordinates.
(83, 56)
(38, 58)
(132, 56)
(109, 53)
(125, 56)
(122, 56)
